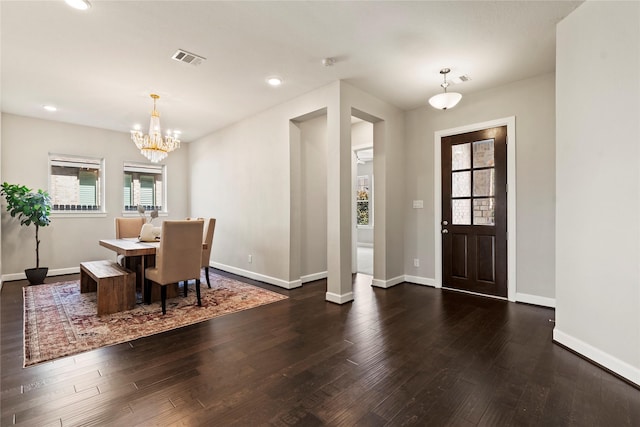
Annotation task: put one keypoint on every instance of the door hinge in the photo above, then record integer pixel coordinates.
(506, 188)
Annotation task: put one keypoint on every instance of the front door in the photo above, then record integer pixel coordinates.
(474, 211)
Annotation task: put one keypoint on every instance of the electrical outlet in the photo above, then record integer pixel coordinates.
(250, 259)
(416, 262)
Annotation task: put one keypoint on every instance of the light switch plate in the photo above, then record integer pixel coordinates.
(418, 204)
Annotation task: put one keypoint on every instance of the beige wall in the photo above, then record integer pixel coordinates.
(532, 103)
(598, 185)
(313, 194)
(241, 176)
(246, 172)
(68, 241)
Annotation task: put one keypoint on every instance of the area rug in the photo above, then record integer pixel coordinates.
(60, 321)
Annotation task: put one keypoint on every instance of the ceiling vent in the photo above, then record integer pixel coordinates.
(460, 79)
(188, 57)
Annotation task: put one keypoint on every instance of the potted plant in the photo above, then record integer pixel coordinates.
(31, 208)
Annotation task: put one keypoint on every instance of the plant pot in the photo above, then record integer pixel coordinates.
(36, 276)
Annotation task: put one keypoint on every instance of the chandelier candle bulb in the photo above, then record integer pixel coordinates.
(153, 146)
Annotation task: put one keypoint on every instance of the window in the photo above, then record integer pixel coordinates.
(76, 183)
(363, 200)
(144, 185)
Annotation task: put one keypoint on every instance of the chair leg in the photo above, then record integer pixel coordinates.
(163, 297)
(198, 291)
(206, 271)
(186, 282)
(147, 291)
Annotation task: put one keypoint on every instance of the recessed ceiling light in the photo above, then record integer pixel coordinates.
(274, 81)
(50, 108)
(79, 4)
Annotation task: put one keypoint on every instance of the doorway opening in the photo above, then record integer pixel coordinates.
(363, 191)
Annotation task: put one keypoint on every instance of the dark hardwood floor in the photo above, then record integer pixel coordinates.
(408, 355)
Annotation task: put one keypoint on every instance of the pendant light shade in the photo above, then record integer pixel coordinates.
(445, 100)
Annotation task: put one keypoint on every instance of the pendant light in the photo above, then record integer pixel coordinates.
(445, 100)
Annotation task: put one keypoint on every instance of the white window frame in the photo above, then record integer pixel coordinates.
(148, 168)
(70, 160)
(369, 200)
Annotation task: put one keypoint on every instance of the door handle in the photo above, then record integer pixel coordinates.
(445, 231)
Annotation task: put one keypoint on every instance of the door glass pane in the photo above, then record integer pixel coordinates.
(484, 211)
(461, 156)
(483, 182)
(461, 184)
(483, 153)
(461, 212)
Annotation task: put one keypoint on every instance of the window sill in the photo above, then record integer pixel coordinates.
(78, 214)
(365, 227)
(133, 214)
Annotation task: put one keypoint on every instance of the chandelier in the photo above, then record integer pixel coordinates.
(445, 100)
(153, 146)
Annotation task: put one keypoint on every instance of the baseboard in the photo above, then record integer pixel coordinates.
(339, 299)
(420, 280)
(597, 356)
(257, 276)
(50, 273)
(314, 276)
(536, 300)
(387, 283)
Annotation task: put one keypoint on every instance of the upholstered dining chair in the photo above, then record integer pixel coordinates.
(128, 227)
(177, 258)
(207, 240)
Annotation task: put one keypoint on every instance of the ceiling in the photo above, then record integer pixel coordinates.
(99, 66)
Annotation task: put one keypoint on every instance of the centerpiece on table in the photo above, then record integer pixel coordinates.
(31, 207)
(149, 233)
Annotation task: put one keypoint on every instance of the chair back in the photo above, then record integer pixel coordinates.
(178, 257)
(207, 234)
(128, 227)
(207, 238)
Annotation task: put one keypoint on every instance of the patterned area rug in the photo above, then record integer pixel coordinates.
(60, 321)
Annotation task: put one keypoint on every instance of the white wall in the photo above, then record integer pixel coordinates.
(68, 241)
(531, 101)
(598, 185)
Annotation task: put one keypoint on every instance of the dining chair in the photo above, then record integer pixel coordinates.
(128, 227)
(207, 240)
(177, 258)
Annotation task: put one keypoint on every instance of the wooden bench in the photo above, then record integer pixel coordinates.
(115, 286)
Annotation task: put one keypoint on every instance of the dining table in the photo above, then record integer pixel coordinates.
(138, 256)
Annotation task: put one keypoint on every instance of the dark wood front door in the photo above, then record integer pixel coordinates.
(474, 211)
